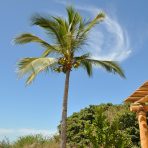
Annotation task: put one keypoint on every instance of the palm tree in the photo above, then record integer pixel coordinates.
(68, 38)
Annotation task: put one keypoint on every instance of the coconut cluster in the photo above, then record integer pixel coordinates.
(76, 64)
(65, 64)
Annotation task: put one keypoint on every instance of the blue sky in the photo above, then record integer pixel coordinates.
(123, 36)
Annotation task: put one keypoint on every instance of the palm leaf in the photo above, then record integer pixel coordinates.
(33, 66)
(110, 66)
(100, 17)
(87, 66)
(27, 38)
(74, 19)
(30, 78)
(82, 57)
(55, 50)
(49, 24)
(84, 63)
(84, 28)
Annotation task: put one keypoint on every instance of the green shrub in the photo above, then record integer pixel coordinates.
(103, 126)
(36, 141)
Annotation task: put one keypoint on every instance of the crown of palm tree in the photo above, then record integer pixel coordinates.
(69, 35)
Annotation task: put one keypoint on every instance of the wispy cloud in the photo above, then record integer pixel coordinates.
(108, 42)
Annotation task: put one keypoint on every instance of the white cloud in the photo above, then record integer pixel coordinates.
(27, 131)
(12, 134)
(108, 42)
(5, 132)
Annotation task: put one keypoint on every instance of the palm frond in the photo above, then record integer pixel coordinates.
(84, 63)
(74, 19)
(33, 66)
(70, 13)
(100, 17)
(83, 29)
(31, 78)
(49, 24)
(87, 66)
(45, 22)
(27, 38)
(110, 66)
(62, 22)
(82, 57)
(64, 34)
(46, 52)
(76, 27)
(55, 50)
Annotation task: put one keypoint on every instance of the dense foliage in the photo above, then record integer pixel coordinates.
(105, 126)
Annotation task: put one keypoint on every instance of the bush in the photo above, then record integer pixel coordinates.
(36, 141)
(104, 126)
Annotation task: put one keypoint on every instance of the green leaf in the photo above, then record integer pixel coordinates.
(99, 18)
(33, 66)
(51, 26)
(27, 38)
(30, 78)
(88, 66)
(110, 66)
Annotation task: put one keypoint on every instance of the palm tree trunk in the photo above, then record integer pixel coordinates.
(64, 111)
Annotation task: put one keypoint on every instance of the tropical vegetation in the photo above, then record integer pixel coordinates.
(103, 126)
